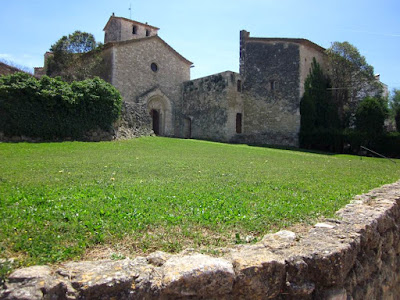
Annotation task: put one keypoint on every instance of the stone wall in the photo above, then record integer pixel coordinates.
(121, 29)
(355, 256)
(138, 82)
(270, 70)
(210, 105)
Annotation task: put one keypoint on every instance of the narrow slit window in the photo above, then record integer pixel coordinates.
(239, 86)
(272, 85)
(238, 123)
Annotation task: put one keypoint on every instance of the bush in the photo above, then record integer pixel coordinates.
(50, 108)
(397, 119)
(350, 141)
(322, 139)
(370, 116)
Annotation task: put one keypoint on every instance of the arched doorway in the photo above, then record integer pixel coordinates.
(155, 116)
(159, 109)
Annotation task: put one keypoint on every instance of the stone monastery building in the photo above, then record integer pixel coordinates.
(260, 105)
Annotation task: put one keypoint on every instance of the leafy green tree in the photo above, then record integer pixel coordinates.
(316, 108)
(352, 79)
(77, 42)
(395, 108)
(74, 57)
(370, 116)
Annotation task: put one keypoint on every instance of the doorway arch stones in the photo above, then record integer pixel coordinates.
(156, 100)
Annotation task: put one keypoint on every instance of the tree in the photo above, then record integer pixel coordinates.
(74, 57)
(77, 42)
(316, 108)
(395, 108)
(352, 79)
(370, 116)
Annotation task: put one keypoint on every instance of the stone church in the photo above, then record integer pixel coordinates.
(260, 105)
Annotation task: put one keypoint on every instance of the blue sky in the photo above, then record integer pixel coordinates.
(207, 32)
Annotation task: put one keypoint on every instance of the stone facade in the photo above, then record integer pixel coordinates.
(355, 256)
(149, 75)
(212, 107)
(273, 72)
(261, 105)
(120, 29)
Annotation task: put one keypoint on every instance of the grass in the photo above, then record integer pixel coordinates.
(60, 200)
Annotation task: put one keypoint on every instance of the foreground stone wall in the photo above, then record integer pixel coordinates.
(356, 256)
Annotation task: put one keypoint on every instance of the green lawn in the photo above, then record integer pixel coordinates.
(57, 200)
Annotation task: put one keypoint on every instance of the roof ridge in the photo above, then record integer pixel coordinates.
(294, 40)
(110, 44)
(129, 20)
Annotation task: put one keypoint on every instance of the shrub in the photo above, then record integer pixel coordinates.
(397, 119)
(50, 108)
(350, 141)
(322, 139)
(370, 116)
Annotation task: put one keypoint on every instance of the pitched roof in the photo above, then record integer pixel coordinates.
(304, 42)
(154, 37)
(131, 21)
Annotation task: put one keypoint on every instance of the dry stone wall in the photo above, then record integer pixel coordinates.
(355, 256)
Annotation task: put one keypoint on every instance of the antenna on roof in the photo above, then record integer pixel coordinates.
(130, 11)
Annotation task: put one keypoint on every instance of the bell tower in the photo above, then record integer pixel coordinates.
(120, 29)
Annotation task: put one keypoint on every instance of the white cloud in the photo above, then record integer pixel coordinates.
(5, 56)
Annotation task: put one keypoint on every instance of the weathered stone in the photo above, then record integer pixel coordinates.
(105, 279)
(94, 280)
(35, 282)
(260, 273)
(211, 107)
(198, 276)
(324, 225)
(332, 259)
(158, 258)
(298, 281)
(281, 239)
(335, 294)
